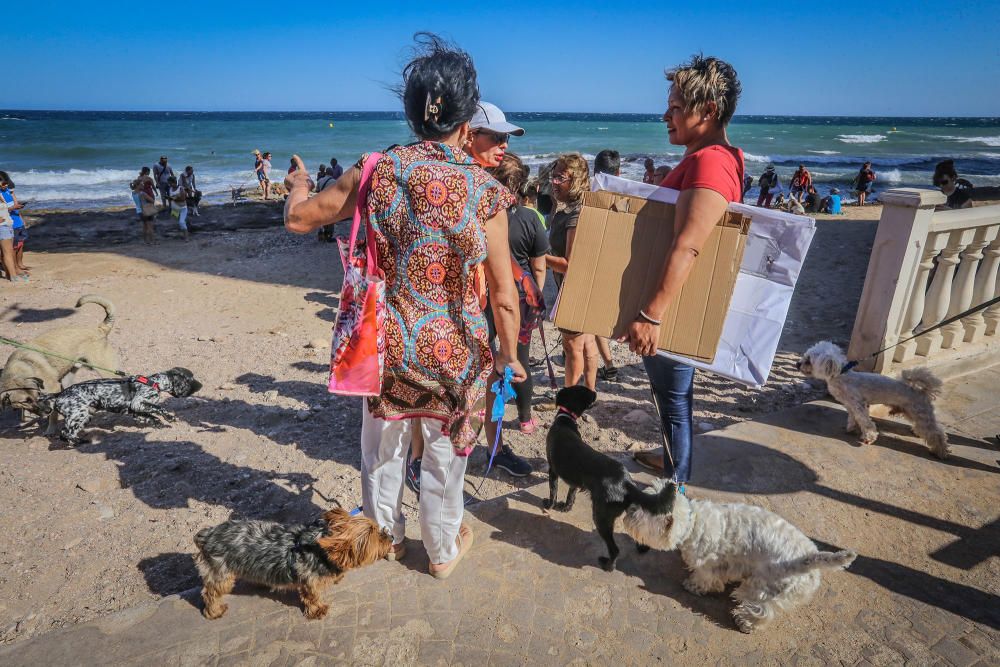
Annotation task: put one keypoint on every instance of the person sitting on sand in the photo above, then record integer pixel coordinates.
(957, 190)
(813, 201)
(20, 231)
(831, 203)
(864, 182)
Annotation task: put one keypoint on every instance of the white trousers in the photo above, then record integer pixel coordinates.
(182, 220)
(442, 480)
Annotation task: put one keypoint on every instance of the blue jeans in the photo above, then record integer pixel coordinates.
(673, 386)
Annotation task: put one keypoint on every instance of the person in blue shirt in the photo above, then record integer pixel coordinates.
(20, 231)
(831, 203)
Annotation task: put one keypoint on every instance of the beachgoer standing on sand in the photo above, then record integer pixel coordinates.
(430, 206)
(136, 187)
(147, 199)
(570, 179)
(648, 175)
(864, 182)
(190, 185)
(801, 181)
(607, 162)
(490, 135)
(701, 103)
(264, 175)
(20, 231)
(179, 208)
(767, 181)
(162, 173)
(320, 173)
(258, 172)
(7, 243)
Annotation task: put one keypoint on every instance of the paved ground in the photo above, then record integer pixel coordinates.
(925, 589)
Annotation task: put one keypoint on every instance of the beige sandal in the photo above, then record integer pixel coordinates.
(465, 539)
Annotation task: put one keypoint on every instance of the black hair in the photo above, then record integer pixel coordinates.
(608, 162)
(440, 90)
(944, 168)
(6, 179)
(545, 203)
(333, 162)
(144, 171)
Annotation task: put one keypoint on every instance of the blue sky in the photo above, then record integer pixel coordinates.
(893, 58)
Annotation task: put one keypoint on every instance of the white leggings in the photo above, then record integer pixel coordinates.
(442, 479)
(182, 220)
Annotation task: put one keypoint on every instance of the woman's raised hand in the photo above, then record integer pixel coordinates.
(299, 177)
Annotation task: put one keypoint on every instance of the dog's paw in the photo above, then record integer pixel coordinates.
(212, 613)
(546, 504)
(868, 437)
(942, 453)
(607, 564)
(561, 507)
(641, 548)
(742, 623)
(317, 612)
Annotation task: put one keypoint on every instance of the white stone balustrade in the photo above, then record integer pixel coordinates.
(928, 266)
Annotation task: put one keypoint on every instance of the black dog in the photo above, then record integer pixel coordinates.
(611, 488)
(137, 396)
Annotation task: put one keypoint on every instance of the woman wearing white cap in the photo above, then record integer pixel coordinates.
(489, 135)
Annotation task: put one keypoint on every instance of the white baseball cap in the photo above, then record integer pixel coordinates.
(489, 117)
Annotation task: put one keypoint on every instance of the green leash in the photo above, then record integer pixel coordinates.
(22, 346)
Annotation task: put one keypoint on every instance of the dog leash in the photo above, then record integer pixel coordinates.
(548, 361)
(503, 391)
(22, 346)
(975, 309)
(681, 488)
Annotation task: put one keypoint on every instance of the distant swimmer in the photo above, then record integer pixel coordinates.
(894, 130)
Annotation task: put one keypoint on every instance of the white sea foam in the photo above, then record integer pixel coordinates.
(750, 157)
(825, 152)
(891, 176)
(988, 141)
(33, 178)
(860, 138)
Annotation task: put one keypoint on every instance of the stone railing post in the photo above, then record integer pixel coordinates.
(939, 295)
(952, 335)
(987, 287)
(892, 270)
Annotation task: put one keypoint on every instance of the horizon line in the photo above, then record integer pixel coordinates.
(400, 112)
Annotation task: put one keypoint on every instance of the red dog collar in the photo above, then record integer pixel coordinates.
(569, 413)
(142, 379)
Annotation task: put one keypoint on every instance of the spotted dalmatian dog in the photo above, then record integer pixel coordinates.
(137, 396)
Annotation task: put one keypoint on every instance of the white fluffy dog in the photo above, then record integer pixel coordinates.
(912, 396)
(776, 565)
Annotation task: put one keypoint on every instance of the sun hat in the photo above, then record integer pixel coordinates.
(835, 191)
(770, 166)
(489, 117)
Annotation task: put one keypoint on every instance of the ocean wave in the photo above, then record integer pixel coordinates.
(750, 157)
(33, 178)
(825, 152)
(860, 138)
(988, 141)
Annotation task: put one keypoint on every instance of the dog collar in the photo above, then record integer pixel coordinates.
(848, 366)
(569, 413)
(142, 379)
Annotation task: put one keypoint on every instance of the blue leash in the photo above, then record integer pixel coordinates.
(503, 391)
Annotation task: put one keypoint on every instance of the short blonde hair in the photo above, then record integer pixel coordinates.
(705, 79)
(579, 174)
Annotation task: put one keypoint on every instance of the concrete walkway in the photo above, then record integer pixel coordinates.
(925, 589)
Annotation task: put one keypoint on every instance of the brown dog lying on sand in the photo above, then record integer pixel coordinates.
(76, 344)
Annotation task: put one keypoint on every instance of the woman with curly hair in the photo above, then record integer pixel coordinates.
(435, 216)
(701, 102)
(570, 178)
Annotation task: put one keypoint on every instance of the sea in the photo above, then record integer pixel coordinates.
(86, 159)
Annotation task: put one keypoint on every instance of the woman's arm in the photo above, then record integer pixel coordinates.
(303, 215)
(698, 211)
(503, 294)
(538, 270)
(561, 264)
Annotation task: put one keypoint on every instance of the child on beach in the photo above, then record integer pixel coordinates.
(178, 206)
(7, 245)
(20, 231)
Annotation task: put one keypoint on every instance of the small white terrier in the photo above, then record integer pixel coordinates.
(912, 396)
(776, 565)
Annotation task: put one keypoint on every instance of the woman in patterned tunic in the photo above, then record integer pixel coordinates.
(440, 226)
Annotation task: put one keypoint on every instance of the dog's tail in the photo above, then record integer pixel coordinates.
(660, 501)
(109, 310)
(821, 560)
(923, 381)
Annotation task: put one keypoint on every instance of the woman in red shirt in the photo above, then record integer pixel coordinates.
(702, 100)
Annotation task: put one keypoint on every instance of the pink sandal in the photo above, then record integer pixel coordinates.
(529, 426)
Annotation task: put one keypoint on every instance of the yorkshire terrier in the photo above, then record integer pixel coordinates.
(304, 557)
(912, 396)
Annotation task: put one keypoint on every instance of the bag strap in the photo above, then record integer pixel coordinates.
(364, 185)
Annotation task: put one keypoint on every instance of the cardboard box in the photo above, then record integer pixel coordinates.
(618, 256)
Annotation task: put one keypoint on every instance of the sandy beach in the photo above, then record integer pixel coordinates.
(248, 308)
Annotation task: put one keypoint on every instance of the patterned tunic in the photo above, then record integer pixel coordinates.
(427, 206)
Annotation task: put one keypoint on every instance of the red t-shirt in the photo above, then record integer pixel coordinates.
(718, 168)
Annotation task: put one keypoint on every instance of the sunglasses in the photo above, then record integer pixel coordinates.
(559, 178)
(496, 137)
